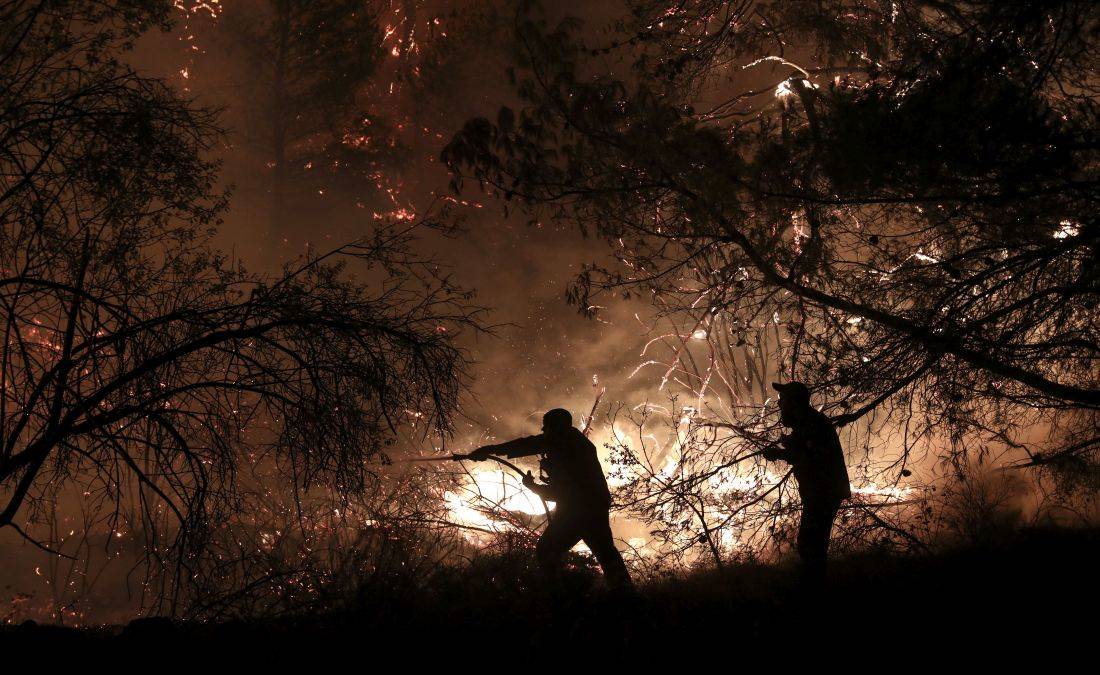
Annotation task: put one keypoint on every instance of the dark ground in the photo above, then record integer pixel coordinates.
(1033, 594)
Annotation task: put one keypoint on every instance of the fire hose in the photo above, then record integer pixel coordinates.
(458, 457)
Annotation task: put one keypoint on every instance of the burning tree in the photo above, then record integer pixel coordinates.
(142, 372)
(309, 64)
(906, 198)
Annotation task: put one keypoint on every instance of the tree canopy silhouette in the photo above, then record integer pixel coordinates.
(140, 365)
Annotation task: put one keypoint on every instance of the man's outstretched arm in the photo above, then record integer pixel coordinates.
(519, 447)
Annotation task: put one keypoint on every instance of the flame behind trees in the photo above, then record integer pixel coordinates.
(142, 368)
(908, 197)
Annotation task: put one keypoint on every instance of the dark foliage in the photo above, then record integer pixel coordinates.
(877, 607)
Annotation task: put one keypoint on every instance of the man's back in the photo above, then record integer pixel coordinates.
(818, 460)
(573, 470)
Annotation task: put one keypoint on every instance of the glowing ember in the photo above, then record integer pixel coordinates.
(1066, 230)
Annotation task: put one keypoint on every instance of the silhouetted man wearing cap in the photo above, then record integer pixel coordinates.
(814, 453)
(576, 484)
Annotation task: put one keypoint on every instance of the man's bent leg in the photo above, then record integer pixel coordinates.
(598, 537)
(560, 535)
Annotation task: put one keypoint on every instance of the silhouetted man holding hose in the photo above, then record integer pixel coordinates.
(814, 453)
(576, 484)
